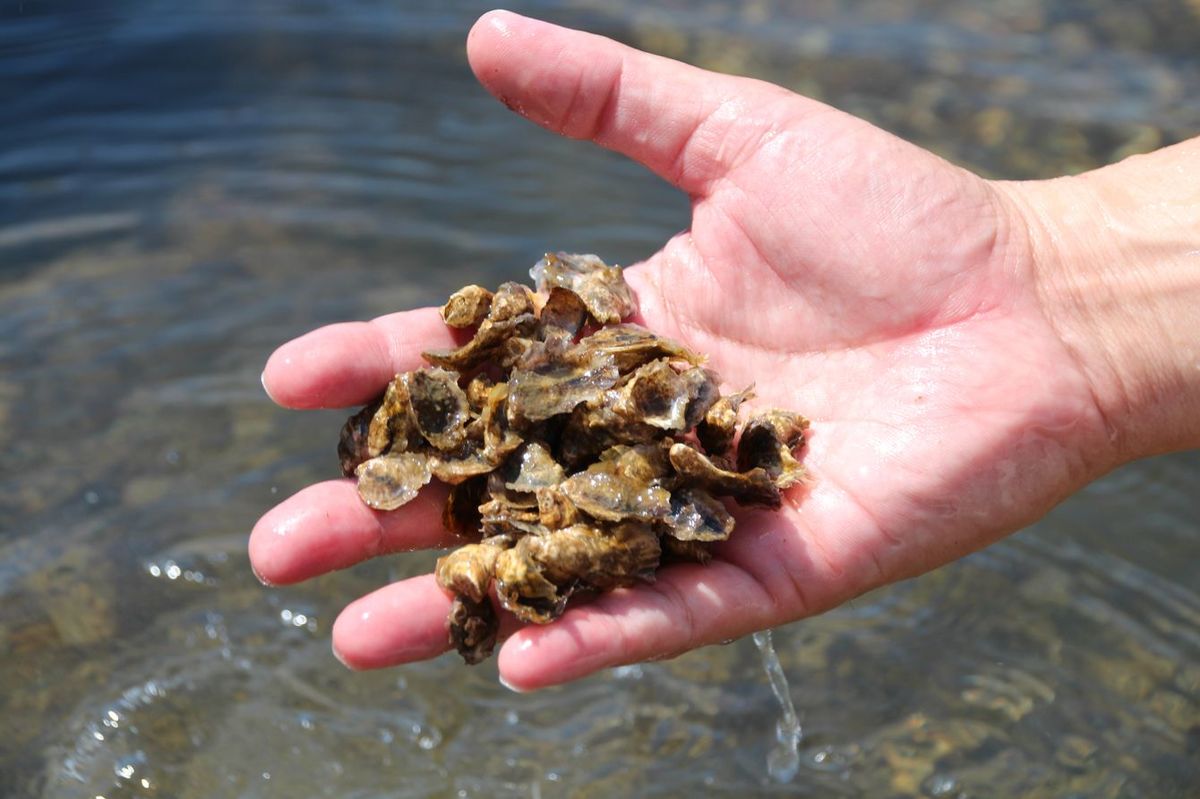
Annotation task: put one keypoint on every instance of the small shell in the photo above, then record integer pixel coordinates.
(389, 481)
(557, 387)
(659, 395)
(511, 314)
(601, 287)
(697, 515)
(393, 427)
(352, 444)
(768, 440)
(564, 311)
(535, 578)
(468, 570)
(472, 628)
(535, 467)
(460, 514)
(603, 493)
(439, 407)
(633, 345)
(467, 307)
(460, 466)
(717, 429)
(754, 487)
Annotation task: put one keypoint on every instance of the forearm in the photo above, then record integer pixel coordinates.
(1117, 264)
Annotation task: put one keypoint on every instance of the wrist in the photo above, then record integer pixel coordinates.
(1116, 259)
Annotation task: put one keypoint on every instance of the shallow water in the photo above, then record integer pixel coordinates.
(184, 186)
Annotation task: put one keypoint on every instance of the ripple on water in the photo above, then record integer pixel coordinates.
(183, 187)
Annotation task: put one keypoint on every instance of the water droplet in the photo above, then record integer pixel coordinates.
(941, 784)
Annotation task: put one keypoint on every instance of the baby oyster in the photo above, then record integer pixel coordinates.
(602, 288)
(582, 452)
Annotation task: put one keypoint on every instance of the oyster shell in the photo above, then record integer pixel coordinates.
(439, 407)
(536, 577)
(601, 287)
(389, 481)
(767, 442)
(467, 307)
(352, 444)
(717, 429)
(754, 487)
(511, 313)
(472, 628)
(571, 449)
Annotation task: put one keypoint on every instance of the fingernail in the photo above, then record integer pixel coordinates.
(341, 659)
(263, 379)
(511, 687)
(261, 579)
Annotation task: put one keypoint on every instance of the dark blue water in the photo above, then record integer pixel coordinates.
(184, 186)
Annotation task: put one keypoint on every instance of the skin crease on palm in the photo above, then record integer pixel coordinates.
(886, 294)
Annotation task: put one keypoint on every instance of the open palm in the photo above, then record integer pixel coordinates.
(884, 293)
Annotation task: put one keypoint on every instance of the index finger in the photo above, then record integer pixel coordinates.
(350, 363)
(688, 125)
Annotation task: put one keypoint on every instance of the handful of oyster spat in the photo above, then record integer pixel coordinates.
(581, 452)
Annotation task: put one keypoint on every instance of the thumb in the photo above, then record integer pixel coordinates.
(687, 125)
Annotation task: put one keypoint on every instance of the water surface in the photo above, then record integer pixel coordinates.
(184, 186)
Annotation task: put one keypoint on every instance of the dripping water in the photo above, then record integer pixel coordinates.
(783, 761)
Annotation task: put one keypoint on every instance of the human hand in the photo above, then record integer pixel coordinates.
(889, 296)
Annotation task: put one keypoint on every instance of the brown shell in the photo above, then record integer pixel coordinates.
(439, 407)
(564, 311)
(659, 395)
(468, 570)
(460, 514)
(467, 307)
(457, 467)
(768, 440)
(557, 386)
(675, 551)
(389, 481)
(535, 578)
(570, 449)
(535, 468)
(754, 487)
(601, 287)
(633, 345)
(393, 427)
(719, 425)
(697, 515)
(352, 443)
(511, 314)
(604, 493)
(472, 628)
